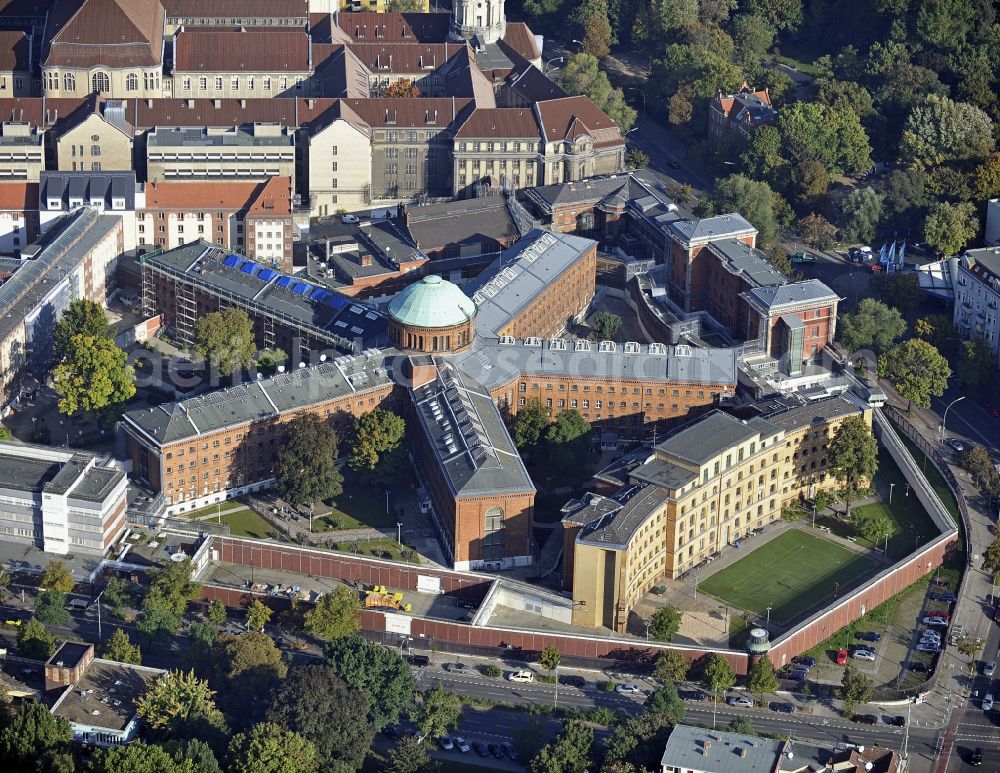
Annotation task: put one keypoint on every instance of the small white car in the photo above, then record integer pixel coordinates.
(864, 655)
(990, 668)
(742, 701)
(928, 646)
(941, 621)
(349, 219)
(520, 676)
(446, 743)
(988, 702)
(461, 744)
(628, 689)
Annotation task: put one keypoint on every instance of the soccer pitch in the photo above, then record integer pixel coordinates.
(793, 573)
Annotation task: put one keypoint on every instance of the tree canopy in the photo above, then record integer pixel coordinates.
(94, 376)
(568, 753)
(664, 623)
(225, 340)
(437, 713)
(32, 739)
(179, 704)
(977, 367)
(57, 576)
(380, 673)
(119, 647)
(269, 748)
(335, 614)
(917, 371)
(718, 675)
(949, 227)
(874, 326)
(752, 199)
(853, 456)
(761, 678)
(306, 471)
(34, 640)
(82, 317)
(378, 442)
(582, 75)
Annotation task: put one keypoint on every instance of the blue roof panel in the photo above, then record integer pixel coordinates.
(232, 261)
(319, 294)
(249, 268)
(284, 281)
(267, 275)
(337, 302)
(302, 288)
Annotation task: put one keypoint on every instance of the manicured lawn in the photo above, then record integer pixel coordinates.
(380, 548)
(793, 573)
(246, 523)
(359, 506)
(224, 507)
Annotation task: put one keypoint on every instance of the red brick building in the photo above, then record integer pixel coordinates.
(741, 112)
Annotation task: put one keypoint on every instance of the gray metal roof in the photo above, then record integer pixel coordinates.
(522, 272)
(709, 436)
(790, 295)
(662, 473)
(591, 189)
(467, 221)
(237, 136)
(716, 751)
(494, 364)
(464, 428)
(265, 399)
(742, 259)
(64, 247)
(21, 471)
(814, 412)
(711, 228)
(636, 504)
(91, 187)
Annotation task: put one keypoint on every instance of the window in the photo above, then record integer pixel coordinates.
(95, 150)
(95, 166)
(218, 83)
(333, 167)
(101, 84)
(202, 83)
(493, 535)
(131, 82)
(282, 83)
(250, 83)
(235, 83)
(333, 150)
(186, 83)
(267, 83)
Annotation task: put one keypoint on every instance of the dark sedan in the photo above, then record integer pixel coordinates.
(868, 636)
(783, 708)
(866, 719)
(805, 660)
(481, 748)
(572, 680)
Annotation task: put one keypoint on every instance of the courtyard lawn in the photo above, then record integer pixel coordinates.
(359, 506)
(224, 507)
(247, 523)
(793, 573)
(379, 548)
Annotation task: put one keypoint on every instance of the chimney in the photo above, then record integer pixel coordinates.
(243, 103)
(217, 103)
(742, 751)
(190, 103)
(328, 250)
(365, 259)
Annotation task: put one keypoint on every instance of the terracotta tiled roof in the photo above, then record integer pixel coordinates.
(408, 113)
(14, 51)
(273, 197)
(236, 9)
(567, 117)
(500, 122)
(341, 72)
(373, 27)
(261, 51)
(18, 196)
(146, 113)
(43, 113)
(200, 194)
(405, 57)
(115, 33)
(520, 37)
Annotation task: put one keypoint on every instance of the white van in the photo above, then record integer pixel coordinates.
(520, 676)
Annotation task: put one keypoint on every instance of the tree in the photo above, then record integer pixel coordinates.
(597, 36)
(670, 667)
(119, 647)
(34, 641)
(377, 434)
(437, 713)
(970, 646)
(816, 231)
(57, 576)
(138, 757)
(808, 180)
(898, 290)
(941, 130)
(550, 658)
(50, 608)
(217, 612)
(752, 199)
(664, 623)
(606, 325)
(873, 526)
(831, 135)
(320, 707)
(530, 424)
(251, 666)
(991, 557)
(568, 753)
(177, 702)
(781, 14)
(872, 326)
(157, 618)
(117, 595)
(82, 317)
(917, 371)
(567, 439)
(196, 752)
(978, 463)
(258, 615)
(752, 36)
(582, 75)
(761, 678)
(171, 589)
(718, 675)
(949, 227)
(986, 178)
(666, 704)
(860, 213)
(335, 614)
(742, 725)
(94, 376)
(853, 456)
(407, 756)
(404, 88)
(405, 6)
(380, 673)
(306, 471)
(939, 331)
(845, 95)
(225, 340)
(976, 367)
(269, 748)
(34, 740)
(856, 688)
(778, 258)
(679, 107)
(636, 159)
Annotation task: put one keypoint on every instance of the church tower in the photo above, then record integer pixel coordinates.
(480, 19)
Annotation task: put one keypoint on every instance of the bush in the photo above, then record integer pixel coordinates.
(607, 686)
(491, 671)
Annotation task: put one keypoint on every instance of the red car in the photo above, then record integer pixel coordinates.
(841, 657)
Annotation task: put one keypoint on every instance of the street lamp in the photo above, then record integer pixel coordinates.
(891, 487)
(768, 624)
(814, 515)
(399, 535)
(647, 622)
(944, 418)
(98, 600)
(553, 59)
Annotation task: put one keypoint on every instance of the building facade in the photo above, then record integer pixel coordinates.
(977, 297)
(22, 151)
(739, 113)
(255, 152)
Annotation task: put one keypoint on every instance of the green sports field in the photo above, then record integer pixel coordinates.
(793, 573)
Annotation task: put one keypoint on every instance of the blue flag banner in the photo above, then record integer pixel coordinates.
(902, 251)
(881, 254)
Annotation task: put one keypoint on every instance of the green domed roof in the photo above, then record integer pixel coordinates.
(432, 302)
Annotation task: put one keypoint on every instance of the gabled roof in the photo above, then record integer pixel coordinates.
(115, 33)
(18, 196)
(273, 197)
(14, 51)
(566, 118)
(267, 51)
(710, 228)
(408, 113)
(341, 72)
(245, 9)
(463, 78)
(790, 295)
(499, 123)
(520, 38)
(528, 82)
(406, 27)
(389, 57)
(201, 194)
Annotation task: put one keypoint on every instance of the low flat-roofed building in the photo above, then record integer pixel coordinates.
(591, 207)
(60, 501)
(473, 230)
(700, 750)
(288, 14)
(251, 152)
(22, 151)
(98, 696)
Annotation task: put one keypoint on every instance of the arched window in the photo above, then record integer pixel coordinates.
(100, 83)
(95, 150)
(132, 82)
(493, 535)
(69, 82)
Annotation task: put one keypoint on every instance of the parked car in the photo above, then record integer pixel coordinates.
(481, 748)
(955, 444)
(988, 702)
(691, 695)
(673, 164)
(859, 254)
(496, 750)
(864, 655)
(920, 667)
(802, 257)
(509, 750)
(897, 721)
(948, 596)
(976, 758)
(990, 668)
(796, 676)
(446, 743)
(800, 670)
(461, 744)
(942, 621)
(520, 676)
(740, 700)
(928, 646)
(783, 708)
(805, 660)
(627, 689)
(866, 719)
(455, 668)
(418, 660)
(868, 636)
(572, 680)
(841, 657)
(349, 219)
